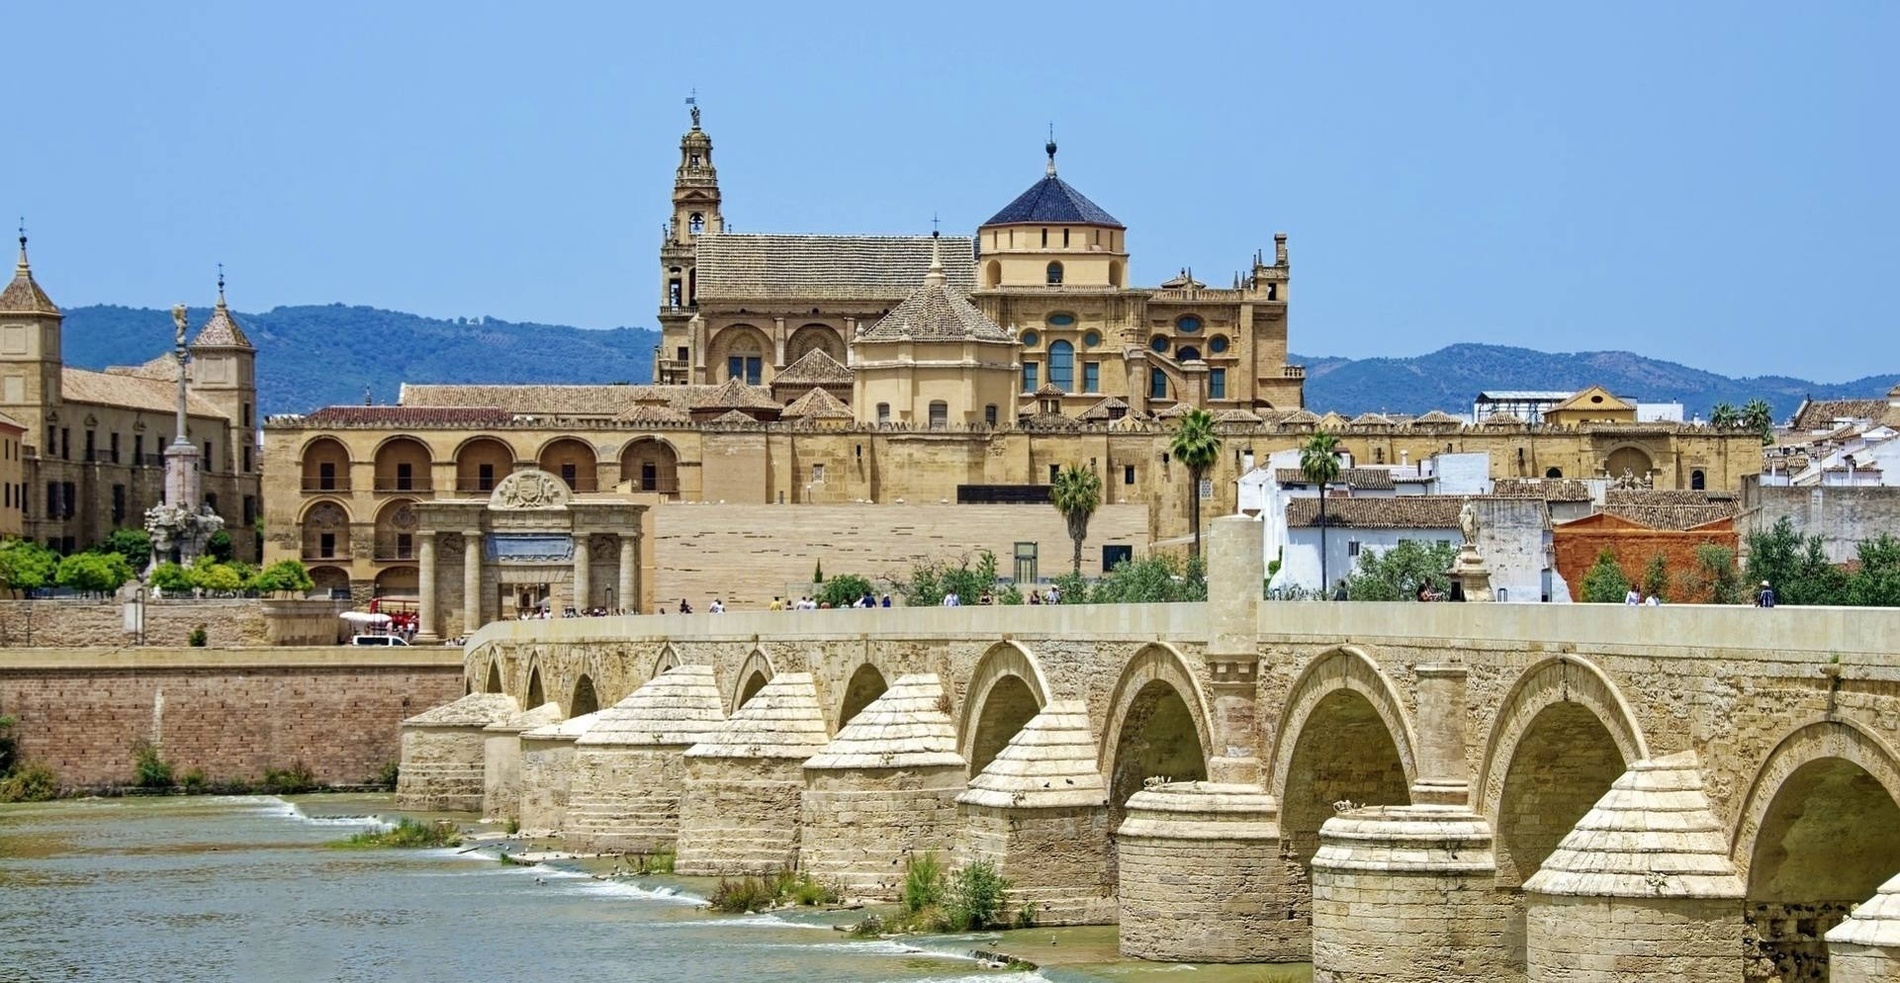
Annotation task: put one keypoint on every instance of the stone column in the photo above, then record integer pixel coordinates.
(581, 561)
(1444, 775)
(471, 581)
(628, 597)
(1235, 569)
(425, 577)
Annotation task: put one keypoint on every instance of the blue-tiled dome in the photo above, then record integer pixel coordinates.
(1051, 201)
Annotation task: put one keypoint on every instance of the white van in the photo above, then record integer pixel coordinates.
(377, 640)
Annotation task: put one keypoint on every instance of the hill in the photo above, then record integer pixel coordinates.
(314, 356)
(319, 355)
(1448, 379)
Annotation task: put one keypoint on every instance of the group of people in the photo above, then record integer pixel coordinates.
(809, 603)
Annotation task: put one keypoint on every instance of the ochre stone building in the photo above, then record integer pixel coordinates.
(92, 461)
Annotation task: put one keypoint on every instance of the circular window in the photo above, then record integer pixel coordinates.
(1217, 344)
(1061, 320)
(1159, 343)
(1091, 338)
(1030, 339)
(1188, 324)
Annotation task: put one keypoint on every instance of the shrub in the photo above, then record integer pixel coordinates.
(149, 770)
(1605, 583)
(283, 577)
(216, 578)
(1073, 588)
(1656, 578)
(171, 578)
(747, 894)
(1025, 916)
(843, 591)
(133, 544)
(407, 834)
(290, 781)
(387, 775)
(975, 899)
(809, 892)
(198, 638)
(26, 565)
(871, 927)
(1395, 574)
(9, 746)
(657, 862)
(194, 780)
(218, 547)
(31, 783)
(923, 882)
(93, 573)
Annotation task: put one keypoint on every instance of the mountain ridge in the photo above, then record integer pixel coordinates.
(318, 355)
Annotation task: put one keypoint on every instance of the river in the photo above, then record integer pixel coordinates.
(247, 889)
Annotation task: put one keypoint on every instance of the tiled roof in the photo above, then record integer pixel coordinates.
(1664, 496)
(1677, 517)
(1050, 763)
(23, 295)
(1370, 420)
(1820, 414)
(549, 400)
(1404, 512)
(1050, 421)
(7, 421)
(1238, 416)
(936, 311)
(734, 394)
(222, 330)
(904, 728)
(471, 417)
(1050, 389)
(1175, 412)
(1052, 201)
(1301, 416)
(130, 392)
(1334, 421)
(730, 417)
(1439, 417)
(814, 368)
(1182, 281)
(1501, 420)
(1104, 409)
(1368, 478)
(816, 405)
(655, 413)
(733, 265)
(1548, 489)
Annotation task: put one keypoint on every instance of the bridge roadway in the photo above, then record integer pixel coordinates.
(1519, 717)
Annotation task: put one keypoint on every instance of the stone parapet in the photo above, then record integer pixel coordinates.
(1201, 878)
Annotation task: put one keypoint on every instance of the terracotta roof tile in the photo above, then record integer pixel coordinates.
(814, 368)
(1548, 489)
(1404, 512)
(733, 394)
(408, 416)
(131, 391)
(23, 295)
(936, 311)
(740, 266)
(1369, 478)
(222, 330)
(817, 405)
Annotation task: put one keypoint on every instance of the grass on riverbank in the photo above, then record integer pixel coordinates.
(934, 900)
(786, 887)
(406, 834)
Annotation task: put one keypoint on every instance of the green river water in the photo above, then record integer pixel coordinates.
(246, 889)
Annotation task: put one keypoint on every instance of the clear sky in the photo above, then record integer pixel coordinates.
(1712, 183)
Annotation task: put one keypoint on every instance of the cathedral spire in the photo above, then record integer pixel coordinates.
(1050, 149)
(21, 268)
(935, 276)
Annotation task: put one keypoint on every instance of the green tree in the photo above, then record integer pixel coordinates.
(218, 547)
(133, 544)
(1725, 415)
(1605, 583)
(1796, 566)
(1196, 446)
(26, 565)
(171, 578)
(1155, 579)
(1319, 463)
(1656, 578)
(843, 590)
(1756, 415)
(282, 577)
(1076, 493)
(1877, 582)
(1714, 579)
(94, 573)
(1395, 574)
(216, 578)
(930, 581)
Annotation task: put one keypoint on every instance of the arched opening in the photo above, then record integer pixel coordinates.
(815, 337)
(1553, 472)
(1629, 459)
(1114, 272)
(572, 460)
(1062, 365)
(1007, 707)
(396, 530)
(536, 696)
(325, 531)
(326, 581)
(402, 465)
(1187, 353)
(1819, 832)
(1054, 273)
(738, 352)
(481, 464)
(1698, 480)
(753, 684)
(494, 678)
(696, 223)
(993, 274)
(1345, 752)
(1564, 762)
(399, 584)
(1158, 738)
(326, 466)
(584, 701)
(866, 684)
(650, 465)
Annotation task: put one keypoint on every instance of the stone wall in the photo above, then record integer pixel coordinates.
(232, 623)
(1842, 517)
(230, 714)
(1577, 547)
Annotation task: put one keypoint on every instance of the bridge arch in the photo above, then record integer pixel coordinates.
(1818, 833)
(585, 699)
(1006, 690)
(1157, 726)
(1344, 736)
(1563, 734)
(537, 694)
(754, 673)
(668, 658)
(866, 684)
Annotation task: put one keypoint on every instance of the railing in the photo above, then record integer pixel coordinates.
(326, 484)
(1294, 371)
(386, 483)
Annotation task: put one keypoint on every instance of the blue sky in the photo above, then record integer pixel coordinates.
(1708, 183)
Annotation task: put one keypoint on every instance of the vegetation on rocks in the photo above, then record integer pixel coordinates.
(971, 898)
(778, 890)
(21, 781)
(406, 834)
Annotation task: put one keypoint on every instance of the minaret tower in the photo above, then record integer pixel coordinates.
(695, 213)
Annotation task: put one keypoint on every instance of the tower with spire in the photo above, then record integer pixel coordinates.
(695, 213)
(224, 374)
(29, 352)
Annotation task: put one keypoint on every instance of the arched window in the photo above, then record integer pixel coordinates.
(696, 222)
(1157, 384)
(1187, 353)
(1115, 273)
(1062, 365)
(1698, 481)
(1553, 472)
(993, 274)
(1055, 274)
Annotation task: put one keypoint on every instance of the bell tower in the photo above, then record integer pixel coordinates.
(30, 365)
(695, 213)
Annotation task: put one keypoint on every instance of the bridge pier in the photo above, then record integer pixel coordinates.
(547, 770)
(629, 767)
(501, 760)
(739, 809)
(1202, 878)
(444, 753)
(1866, 947)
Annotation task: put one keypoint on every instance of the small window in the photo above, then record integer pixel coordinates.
(1217, 384)
(1188, 325)
(1065, 238)
(1061, 320)
(1217, 344)
(817, 474)
(1031, 339)
(1553, 472)
(989, 415)
(1698, 481)
(1187, 353)
(1091, 377)
(1054, 469)
(405, 477)
(1055, 274)
(570, 474)
(1128, 474)
(939, 414)
(1045, 241)
(1030, 377)
(1157, 384)
(1352, 547)
(485, 477)
(697, 223)
(883, 412)
(1091, 338)
(1273, 291)
(1159, 343)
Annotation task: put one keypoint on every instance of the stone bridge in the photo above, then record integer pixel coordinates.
(1393, 791)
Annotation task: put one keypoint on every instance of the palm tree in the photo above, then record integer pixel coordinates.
(1076, 493)
(1724, 415)
(1319, 463)
(1196, 446)
(1758, 416)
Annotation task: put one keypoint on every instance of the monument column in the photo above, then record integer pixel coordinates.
(471, 580)
(629, 571)
(1236, 567)
(582, 588)
(425, 577)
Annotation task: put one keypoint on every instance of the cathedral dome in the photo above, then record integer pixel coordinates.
(1053, 201)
